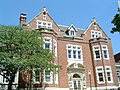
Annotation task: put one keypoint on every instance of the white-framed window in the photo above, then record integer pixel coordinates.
(56, 76)
(72, 32)
(4, 80)
(109, 74)
(100, 74)
(74, 52)
(118, 72)
(44, 24)
(105, 51)
(96, 34)
(97, 54)
(47, 43)
(47, 76)
(37, 75)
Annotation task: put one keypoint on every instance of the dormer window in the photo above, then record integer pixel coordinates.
(96, 34)
(72, 32)
(44, 24)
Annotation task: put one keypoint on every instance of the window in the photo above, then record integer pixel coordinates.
(47, 41)
(119, 79)
(36, 76)
(79, 54)
(96, 34)
(100, 74)
(47, 76)
(72, 32)
(96, 50)
(43, 24)
(105, 51)
(76, 82)
(108, 74)
(69, 53)
(56, 76)
(118, 72)
(74, 52)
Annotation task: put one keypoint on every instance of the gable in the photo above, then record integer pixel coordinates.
(43, 20)
(94, 31)
(71, 30)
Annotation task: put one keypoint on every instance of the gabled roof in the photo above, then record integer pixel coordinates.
(64, 28)
(72, 26)
(117, 57)
(94, 21)
(44, 10)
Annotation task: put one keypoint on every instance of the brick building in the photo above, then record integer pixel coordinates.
(117, 63)
(85, 56)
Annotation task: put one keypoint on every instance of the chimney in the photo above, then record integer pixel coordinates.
(23, 19)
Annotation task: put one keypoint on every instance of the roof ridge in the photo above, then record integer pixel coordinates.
(68, 26)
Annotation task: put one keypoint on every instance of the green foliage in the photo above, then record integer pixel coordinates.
(22, 49)
(116, 22)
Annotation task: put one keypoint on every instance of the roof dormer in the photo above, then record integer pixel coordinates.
(71, 30)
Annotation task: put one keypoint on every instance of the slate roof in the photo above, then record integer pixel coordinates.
(79, 31)
(117, 57)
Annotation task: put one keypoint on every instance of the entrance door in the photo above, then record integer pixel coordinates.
(76, 82)
(76, 85)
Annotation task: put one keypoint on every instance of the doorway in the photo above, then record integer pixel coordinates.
(76, 82)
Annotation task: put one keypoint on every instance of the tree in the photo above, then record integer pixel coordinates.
(22, 49)
(116, 22)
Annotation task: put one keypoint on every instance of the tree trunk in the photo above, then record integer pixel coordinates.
(42, 77)
(12, 77)
(10, 85)
(31, 77)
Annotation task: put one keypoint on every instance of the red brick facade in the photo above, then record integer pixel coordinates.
(84, 69)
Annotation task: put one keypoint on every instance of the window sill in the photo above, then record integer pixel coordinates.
(109, 81)
(101, 82)
(48, 82)
(72, 59)
(36, 82)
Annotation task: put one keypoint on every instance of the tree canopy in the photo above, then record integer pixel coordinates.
(22, 49)
(116, 22)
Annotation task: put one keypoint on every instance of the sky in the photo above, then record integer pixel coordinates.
(65, 12)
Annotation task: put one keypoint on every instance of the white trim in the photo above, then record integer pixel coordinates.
(111, 76)
(49, 38)
(56, 77)
(72, 32)
(3, 80)
(72, 25)
(75, 48)
(103, 88)
(106, 50)
(51, 77)
(96, 34)
(101, 71)
(88, 28)
(55, 47)
(34, 76)
(96, 50)
(55, 88)
(47, 24)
